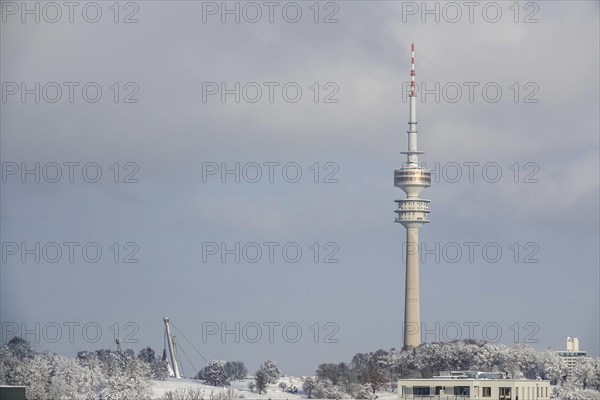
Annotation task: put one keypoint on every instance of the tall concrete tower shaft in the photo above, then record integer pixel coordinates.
(412, 214)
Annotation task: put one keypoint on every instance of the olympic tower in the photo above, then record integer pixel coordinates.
(412, 214)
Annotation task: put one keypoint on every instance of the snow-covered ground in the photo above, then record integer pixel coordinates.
(240, 389)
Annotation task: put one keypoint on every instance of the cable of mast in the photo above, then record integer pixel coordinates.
(188, 360)
(190, 343)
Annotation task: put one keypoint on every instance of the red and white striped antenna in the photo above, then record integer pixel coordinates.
(412, 72)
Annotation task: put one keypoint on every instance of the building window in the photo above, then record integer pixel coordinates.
(504, 393)
(421, 391)
(487, 392)
(461, 390)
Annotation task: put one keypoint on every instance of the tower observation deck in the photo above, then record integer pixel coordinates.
(412, 213)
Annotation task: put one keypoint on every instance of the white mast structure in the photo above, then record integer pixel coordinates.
(172, 349)
(412, 214)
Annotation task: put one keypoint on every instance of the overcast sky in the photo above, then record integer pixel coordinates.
(169, 125)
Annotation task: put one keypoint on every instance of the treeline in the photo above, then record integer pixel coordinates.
(112, 375)
(380, 370)
(102, 374)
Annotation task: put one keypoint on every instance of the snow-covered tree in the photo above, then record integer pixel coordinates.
(346, 374)
(566, 392)
(430, 358)
(214, 373)
(112, 362)
(490, 357)
(584, 371)
(34, 374)
(358, 391)
(271, 370)
(68, 379)
(595, 381)
(324, 389)
(522, 358)
(93, 378)
(402, 365)
(20, 348)
(551, 366)
(329, 371)
(8, 363)
(147, 355)
(308, 385)
(261, 379)
(372, 368)
(159, 369)
(235, 370)
(133, 383)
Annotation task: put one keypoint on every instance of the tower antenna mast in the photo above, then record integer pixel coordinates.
(413, 73)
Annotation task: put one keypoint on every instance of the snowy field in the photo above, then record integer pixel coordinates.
(240, 389)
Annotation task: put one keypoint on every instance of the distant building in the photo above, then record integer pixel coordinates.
(473, 385)
(572, 355)
(12, 392)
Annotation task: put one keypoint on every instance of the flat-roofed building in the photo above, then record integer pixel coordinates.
(473, 385)
(571, 356)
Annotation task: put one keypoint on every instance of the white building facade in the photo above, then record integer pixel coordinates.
(473, 385)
